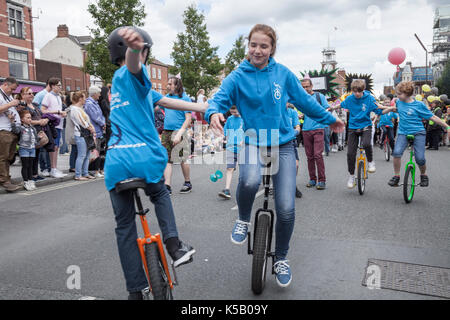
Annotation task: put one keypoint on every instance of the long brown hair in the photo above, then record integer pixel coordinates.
(178, 86)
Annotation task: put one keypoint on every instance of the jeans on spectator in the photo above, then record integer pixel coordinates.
(126, 231)
(284, 183)
(314, 145)
(82, 162)
(44, 160)
(73, 156)
(64, 147)
(327, 134)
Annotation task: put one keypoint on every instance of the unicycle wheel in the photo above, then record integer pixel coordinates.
(361, 178)
(260, 254)
(158, 279)
(409, 184)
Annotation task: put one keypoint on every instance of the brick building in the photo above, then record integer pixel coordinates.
(64, 57)
(17, 43)
(159, 75)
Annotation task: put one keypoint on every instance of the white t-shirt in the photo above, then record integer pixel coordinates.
(200, 98)
(5, 123)
(53, 103)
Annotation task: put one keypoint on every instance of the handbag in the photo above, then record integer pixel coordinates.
(43, 139)
(86, 134)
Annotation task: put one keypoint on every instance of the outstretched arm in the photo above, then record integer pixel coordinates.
(182, 105)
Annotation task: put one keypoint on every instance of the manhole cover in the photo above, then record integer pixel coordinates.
(407, 277)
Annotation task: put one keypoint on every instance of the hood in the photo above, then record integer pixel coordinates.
(265, 74)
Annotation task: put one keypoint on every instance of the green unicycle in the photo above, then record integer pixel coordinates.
(409, 181)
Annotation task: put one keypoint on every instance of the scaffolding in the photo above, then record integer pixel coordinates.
(441, 40)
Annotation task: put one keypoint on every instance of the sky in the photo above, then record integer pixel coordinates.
(362, 32)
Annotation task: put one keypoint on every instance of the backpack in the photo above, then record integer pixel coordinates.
(70, 128)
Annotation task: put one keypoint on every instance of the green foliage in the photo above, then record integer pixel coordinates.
(109, 15)
(236, 55)
(193, 55)
(443, 83)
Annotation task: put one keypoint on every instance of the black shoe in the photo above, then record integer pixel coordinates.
(187, 188)
(169, 188)
(38, 178)
(226, 194)
(298, 194)
(424, 181)
(183, 255)
(136, 296)
(394, 181)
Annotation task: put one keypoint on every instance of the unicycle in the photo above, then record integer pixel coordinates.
(409, 181)
(262, 242)
(361, 165)
(150, 247)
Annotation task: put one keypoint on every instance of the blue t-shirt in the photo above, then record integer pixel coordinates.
(174, 119)
(234, 132)
(294, 117)
(360, 109)
(309, 124)
(134, 150)
(411, 115)
(39, 97)
(386, 119)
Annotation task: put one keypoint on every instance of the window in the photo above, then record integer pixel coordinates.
(153, 73)
(159, 88)
(15, 18)
(18, 64)
(154, 86)
(159, 74)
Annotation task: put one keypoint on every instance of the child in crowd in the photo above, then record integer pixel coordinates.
(411, 112)
(234, 134)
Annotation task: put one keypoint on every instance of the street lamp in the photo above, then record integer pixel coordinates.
(426, 56)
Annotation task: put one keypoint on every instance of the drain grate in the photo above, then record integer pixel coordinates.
(407, 277)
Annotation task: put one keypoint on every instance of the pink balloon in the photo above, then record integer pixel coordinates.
(397, 56)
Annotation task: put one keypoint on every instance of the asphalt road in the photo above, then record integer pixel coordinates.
(44, 233)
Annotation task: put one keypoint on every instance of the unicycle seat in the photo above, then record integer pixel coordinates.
(410, 137)
(131, 184)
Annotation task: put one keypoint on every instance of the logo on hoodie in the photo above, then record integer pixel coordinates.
(277, 91)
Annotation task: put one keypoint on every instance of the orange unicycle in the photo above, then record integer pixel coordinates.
(151, 247)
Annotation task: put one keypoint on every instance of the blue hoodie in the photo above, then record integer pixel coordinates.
(261, 97)
(360, 109)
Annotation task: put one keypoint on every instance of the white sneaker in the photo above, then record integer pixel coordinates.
(55, 174)
(334, 149)
(98, 175)
(351, 182)
(33, 184)
(372, 168)
(27, 186)
(45, 173)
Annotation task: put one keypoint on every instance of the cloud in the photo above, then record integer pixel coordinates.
(366, 30)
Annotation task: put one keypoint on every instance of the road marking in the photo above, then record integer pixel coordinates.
(259, 194)
(87, 298)
(57, 187)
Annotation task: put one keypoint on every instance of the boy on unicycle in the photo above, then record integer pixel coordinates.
(135, 151)
(411, 112)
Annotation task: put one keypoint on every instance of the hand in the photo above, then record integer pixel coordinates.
(43, 122)
(14, 103)
(11, 117)
(338, 126)
(63, 114)
(216, 123)
(177, 139)
(133, 40)
(204, 106)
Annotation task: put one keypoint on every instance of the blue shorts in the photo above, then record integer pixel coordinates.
(27, 153)
(58, 137)
(419, 147)
(232, 159)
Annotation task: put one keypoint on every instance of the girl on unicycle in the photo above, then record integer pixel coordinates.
(260, 88)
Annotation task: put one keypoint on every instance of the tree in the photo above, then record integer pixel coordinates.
(109, 15)
(193, 55)
(443, 83)
(236, 55)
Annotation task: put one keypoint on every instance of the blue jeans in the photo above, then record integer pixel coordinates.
(44, 160)
(126, 231)
(82, 162)
(419, 147)
(326, 137)
(73, 156)
(284, 183)
(64, 148)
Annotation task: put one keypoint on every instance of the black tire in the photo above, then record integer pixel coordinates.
(157, 276)
(260, 249)
(387, 152)
(361, 178)
(408, 185)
